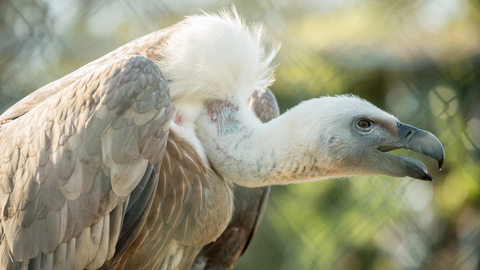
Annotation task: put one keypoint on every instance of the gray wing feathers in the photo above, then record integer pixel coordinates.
(138, 208)
(64, 179)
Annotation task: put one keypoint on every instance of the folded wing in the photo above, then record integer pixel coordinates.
(71, 160)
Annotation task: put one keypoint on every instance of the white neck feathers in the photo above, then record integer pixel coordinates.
(250, 153)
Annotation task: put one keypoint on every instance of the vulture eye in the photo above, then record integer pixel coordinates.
(364, 125)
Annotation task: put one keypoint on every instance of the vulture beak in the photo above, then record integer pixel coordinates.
(415, 140)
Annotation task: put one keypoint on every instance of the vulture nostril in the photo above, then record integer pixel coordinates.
(408, 134)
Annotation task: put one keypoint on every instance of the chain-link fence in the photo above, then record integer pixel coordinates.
(419, 59)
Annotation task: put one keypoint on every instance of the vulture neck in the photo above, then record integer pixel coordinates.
(242, 149)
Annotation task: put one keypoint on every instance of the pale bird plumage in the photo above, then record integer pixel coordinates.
(132, 161)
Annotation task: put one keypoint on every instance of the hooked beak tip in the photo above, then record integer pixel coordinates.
(440, 164)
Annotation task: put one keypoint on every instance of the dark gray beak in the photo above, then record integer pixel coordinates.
(415, 140)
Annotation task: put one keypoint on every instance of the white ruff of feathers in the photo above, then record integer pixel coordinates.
(215, 57)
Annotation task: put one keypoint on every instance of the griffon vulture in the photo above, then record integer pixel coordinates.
(129, 162)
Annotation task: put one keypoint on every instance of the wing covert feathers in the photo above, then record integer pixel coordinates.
(69, 164)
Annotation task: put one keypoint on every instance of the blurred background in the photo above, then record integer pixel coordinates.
(418, 59)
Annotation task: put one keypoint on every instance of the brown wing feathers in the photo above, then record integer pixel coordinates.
(177, 204)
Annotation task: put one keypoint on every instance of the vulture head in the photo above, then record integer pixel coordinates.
(352, 137)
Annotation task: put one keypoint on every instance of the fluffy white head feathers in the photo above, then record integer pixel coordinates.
(216, 57)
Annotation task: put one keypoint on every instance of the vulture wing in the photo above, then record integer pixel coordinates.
(249, 206)
(80, 163)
